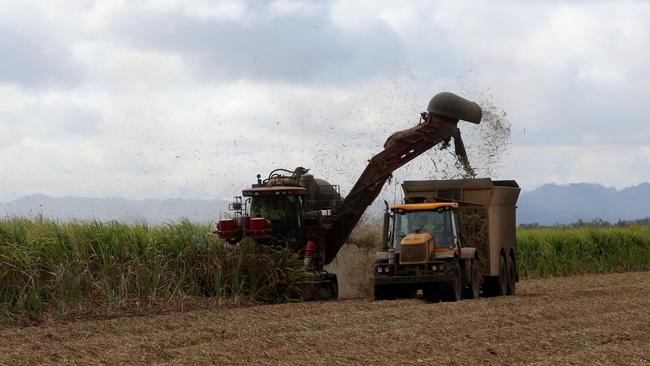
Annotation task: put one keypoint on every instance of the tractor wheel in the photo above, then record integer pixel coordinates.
(502, 287)
(473, 289)
(512, 277)
(455, 288)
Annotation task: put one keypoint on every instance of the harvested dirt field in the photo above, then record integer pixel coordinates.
(596, 319)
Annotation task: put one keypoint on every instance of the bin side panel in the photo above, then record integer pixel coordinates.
(503, 234)
(473, 228)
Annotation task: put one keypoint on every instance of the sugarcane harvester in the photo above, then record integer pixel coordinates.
(308, 215)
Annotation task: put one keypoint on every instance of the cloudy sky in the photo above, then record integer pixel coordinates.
(192, 98)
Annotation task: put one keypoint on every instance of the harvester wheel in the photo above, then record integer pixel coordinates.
(473, 288)
(455, 288)
(512, 277)
(334, 286)
(328, 289)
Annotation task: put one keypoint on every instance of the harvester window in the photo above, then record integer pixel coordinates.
(276, 208)
(284, 212)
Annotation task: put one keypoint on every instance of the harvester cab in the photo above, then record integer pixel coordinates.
(270, 212)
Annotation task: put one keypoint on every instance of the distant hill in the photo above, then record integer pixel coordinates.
(564, 204)
(547, 205)
(125, 210)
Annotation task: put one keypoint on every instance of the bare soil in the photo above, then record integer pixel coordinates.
(586, 320)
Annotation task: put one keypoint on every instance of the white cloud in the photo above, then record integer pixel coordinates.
(611, 165)
(280, 8)
(222, 10)
(192, 99)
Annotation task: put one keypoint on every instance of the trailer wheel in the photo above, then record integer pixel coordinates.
(512, 277)
(497, 285)
(473, 288)
(455, 288)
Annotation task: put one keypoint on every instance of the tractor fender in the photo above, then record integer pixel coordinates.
(467, 253)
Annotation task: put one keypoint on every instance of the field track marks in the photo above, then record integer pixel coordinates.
(591, 319)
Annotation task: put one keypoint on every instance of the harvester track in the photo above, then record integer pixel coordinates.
(592, 319)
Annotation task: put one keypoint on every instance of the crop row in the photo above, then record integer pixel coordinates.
(52, 267)
(59, 267)
(565, 251)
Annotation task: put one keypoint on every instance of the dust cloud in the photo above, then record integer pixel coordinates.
(486, 145)
(354, 263)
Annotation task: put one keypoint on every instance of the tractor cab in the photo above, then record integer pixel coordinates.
(435, 219)
(422, 232)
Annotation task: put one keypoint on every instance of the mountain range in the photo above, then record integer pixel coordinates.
(549, 204)
(152, 211)
(553, 204)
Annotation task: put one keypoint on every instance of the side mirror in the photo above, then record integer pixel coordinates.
(386, 237)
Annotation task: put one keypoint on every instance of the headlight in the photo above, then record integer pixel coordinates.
(379, 269)
(386, 269)
(441, 267)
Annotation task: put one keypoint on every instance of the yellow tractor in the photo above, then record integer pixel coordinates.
(451, 239)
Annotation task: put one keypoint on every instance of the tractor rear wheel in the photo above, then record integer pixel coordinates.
(454, 290)
(473, 289)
